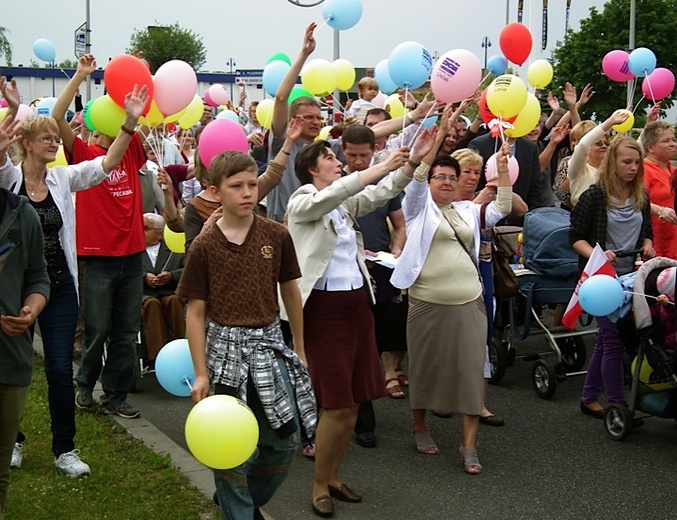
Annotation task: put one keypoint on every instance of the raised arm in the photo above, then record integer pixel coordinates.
(275, 170)
(281, 106)
(86, 65)
(391, 126)
(135, 102)
(10, 93)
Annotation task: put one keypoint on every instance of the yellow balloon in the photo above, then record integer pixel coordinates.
(264, 113)
(3, 112)
(645, 374)
(527, 119)
(60, 159)
(540, 73)
(324, 133)
(627, 125)
(506, 96)
(394, 106)
(175, 117)
(319, 77)
(345, 74)
(192, 114)
(106, 116)
(221, 432)
(176, 242)
(153, 118)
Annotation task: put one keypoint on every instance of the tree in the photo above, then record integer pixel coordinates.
(68, 64)
(578, 59)
(5, 46)
(162, 43)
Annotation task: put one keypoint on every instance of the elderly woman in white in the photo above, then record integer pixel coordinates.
(446, 327)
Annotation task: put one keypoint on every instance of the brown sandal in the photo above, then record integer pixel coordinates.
(394, 390)
(402, 378)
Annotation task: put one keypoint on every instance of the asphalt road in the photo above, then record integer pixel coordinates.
(549, 461)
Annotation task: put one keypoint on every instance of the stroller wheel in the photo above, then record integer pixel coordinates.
(498, 358)
(617, 422)
(544, 379)
(573, 353)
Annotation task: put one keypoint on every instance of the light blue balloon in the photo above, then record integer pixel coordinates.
(382, 77)
(642, 62)
(273, 74)
(410, 64)
(45, 106)
(428, 122)
(44, 50)
(174, 366)
(342, 14)
(228, 114)
(600, 295)
(497, 65)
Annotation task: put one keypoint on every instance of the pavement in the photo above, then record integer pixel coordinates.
(548, 461)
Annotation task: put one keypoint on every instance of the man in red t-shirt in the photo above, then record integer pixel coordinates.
(110, 239)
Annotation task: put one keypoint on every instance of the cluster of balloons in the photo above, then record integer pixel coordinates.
(619, 66)
(321, 77)
(264, 110)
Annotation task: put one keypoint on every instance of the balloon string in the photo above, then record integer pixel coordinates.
(646, 78)
(185, 380)
(323, 24)
(406, 96)
(485, 77)
(325, 104)
(420, 127)
(337, 102)
(500, 128)
(647, 295)
(637, 105)
(64, 73)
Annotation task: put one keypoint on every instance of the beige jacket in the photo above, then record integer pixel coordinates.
(311, 226)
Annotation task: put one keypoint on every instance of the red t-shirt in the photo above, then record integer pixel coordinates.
(657, 182)
(109, 217)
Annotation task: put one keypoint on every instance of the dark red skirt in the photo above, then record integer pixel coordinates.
(340, 345)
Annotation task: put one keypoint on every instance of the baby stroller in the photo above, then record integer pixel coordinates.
(547, 277)
(654, 371)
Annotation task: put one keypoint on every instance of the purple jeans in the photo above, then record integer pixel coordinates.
(605, 370)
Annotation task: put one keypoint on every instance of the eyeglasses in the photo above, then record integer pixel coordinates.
(441, 178)
(600, 144)
(49, 139)
(311, 118)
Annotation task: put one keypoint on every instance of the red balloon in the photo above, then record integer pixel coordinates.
(486, 114)
(122, 73)
(515, 42)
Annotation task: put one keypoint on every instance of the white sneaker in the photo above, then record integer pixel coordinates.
(17, 456)
(70, 465)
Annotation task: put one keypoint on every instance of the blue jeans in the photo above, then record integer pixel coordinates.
(251, 485)
(112, 311)
(57, 325)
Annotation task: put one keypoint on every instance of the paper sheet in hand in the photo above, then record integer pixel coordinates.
(386, 259)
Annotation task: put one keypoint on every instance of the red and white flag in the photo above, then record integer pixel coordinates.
(597, 264)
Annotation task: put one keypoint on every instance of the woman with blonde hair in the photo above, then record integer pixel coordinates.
(616, 214)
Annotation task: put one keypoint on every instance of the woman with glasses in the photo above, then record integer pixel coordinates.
(49, 191)
(588, 155)
(447, 322)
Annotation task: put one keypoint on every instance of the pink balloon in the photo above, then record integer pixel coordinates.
(175, 87)
(3, 103)
(221, 135)
(24, 112)
(379, 101)
(615, 66)
(491, 170)
(218, 94)
(209, 100)
(455, 76)
(659, 84)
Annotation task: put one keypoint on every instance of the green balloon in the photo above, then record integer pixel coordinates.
(280, 56)
(86, 116)
(297, 92)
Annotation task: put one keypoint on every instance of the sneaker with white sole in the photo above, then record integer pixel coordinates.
(17, 456)
(83, 398)
(70, 465)
(122, 409)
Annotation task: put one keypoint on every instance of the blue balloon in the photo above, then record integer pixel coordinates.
(600, 295)
(342, 14)
(229, 114)
(642, 62)
(410, 65)
(45, 106)
(497, 65)
(174, 368)
(44, 50)
(428, 122)
(382, 77)
(273, 74)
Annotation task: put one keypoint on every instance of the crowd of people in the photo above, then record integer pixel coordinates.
(287, 305)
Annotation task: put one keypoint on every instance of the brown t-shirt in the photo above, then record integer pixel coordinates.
(239, 282)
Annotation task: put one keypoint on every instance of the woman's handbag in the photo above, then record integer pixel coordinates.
(505, 281)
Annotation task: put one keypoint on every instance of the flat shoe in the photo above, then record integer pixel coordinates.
(323, 506)
(344, 494)
(597, 414)
(492, 420)
(366, 439)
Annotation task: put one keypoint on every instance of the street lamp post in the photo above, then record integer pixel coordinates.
(486, 43)
(231, 66)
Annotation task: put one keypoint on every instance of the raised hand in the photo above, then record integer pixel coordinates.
(559, 133)
(9, 133)
(309, 40)
(397, 159)
(569, 94)
(586, 95)
(135, 102)
(163, 179)
(618, 117)
(424, 143)
(295, 128)
(502, 159)
(653, 114)
(10, 92)
(553, 103)
(86, 64)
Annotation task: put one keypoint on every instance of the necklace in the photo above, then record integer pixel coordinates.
(34, 190)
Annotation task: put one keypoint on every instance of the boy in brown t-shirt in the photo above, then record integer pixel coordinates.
(231, 281)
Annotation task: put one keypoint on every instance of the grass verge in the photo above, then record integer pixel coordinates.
(128, 481)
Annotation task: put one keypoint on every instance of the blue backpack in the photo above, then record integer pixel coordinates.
(545, 245)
